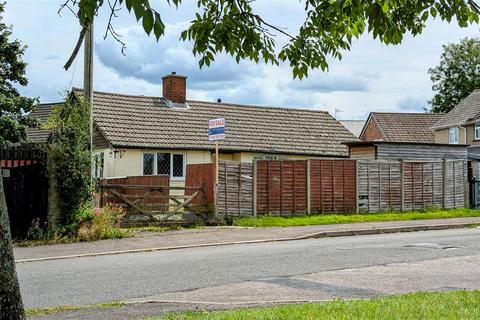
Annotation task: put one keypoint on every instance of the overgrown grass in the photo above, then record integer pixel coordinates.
(272, 221)
(60, 309)
(447, 305)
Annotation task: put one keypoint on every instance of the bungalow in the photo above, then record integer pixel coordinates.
(139, 135)
(462, 126)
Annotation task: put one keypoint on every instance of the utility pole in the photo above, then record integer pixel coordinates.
(88, 82)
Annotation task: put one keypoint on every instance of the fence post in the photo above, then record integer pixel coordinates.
(240, 189)
(402, 186)
(357, 209)
(466, 189)
(309, 200)
(444, 183)
(254, 188)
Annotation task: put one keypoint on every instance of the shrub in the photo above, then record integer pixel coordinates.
(100, 223)
(69, 156)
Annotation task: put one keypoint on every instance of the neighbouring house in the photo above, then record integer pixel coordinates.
(42, 112)
(406, 136)
(400, 127)
(139, 135)
(386, 150)
(462, 126)
(354, 126)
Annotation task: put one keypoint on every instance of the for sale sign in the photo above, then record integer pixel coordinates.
(216, 129)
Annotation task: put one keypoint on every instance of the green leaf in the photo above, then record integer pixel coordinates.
(138, 9)
(148, 21)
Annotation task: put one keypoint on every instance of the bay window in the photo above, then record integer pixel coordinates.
(477, 131)
(172, 164)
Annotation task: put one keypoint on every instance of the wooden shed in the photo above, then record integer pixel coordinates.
(383, 150)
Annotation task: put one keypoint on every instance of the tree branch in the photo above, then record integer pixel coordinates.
(76, 49)
(474, 6)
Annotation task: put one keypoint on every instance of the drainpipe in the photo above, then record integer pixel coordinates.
(465, 133)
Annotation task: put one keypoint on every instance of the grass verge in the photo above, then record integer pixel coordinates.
(60, 309)
(445, 305)
(272, 221)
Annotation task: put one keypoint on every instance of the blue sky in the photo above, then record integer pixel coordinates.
(371, 77)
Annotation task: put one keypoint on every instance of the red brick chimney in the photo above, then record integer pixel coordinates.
(175, 87)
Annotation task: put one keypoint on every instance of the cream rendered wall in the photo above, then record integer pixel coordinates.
(249, 156)
(130, 163)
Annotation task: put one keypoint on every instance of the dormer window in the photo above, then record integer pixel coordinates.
(477, 131)
(453, 135)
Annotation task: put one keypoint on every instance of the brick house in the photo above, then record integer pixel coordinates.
(462, 126)
(400, 127)
(407, 136)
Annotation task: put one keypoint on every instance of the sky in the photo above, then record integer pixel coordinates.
(370, 77)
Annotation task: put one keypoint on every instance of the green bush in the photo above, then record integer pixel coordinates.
(69, 156)
(100, 223)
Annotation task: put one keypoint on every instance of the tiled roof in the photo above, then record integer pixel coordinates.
(467, 111)
(354, 126)
(41, 112)
(407, 127)
(148, 122)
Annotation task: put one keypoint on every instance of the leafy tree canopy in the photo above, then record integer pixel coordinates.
(14, 109)
(457, 74)
(233, 27)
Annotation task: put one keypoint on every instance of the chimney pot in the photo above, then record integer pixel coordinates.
(219, 100)
(175, 87)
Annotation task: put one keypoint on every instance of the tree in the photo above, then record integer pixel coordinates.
(11, 306)
(14, 120)
(15, 109)
(233, 27)
(457, 74)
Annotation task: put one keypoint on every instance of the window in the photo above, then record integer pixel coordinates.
(453, 135)
(163, 163)
(177, 166)
(477, 131)
(172, 164)
(98, 165)
(148, 161)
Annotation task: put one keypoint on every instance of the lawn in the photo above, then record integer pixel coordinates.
(446, 305)
(272, 221)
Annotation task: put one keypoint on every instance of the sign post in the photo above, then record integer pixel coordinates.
(216, 133)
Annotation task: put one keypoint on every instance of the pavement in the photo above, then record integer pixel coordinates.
(218, 236)
(252, 274)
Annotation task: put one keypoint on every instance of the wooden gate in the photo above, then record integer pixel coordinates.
(150, 199)
(26, 187)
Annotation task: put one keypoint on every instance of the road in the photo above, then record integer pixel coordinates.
(345, 267)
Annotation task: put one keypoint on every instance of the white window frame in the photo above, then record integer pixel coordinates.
(477, 131)
(155, 166)
(453, 130)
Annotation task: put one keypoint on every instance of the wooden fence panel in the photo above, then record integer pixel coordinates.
(423, 184)
(235, 188)
(332, 186)
(281, 187)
